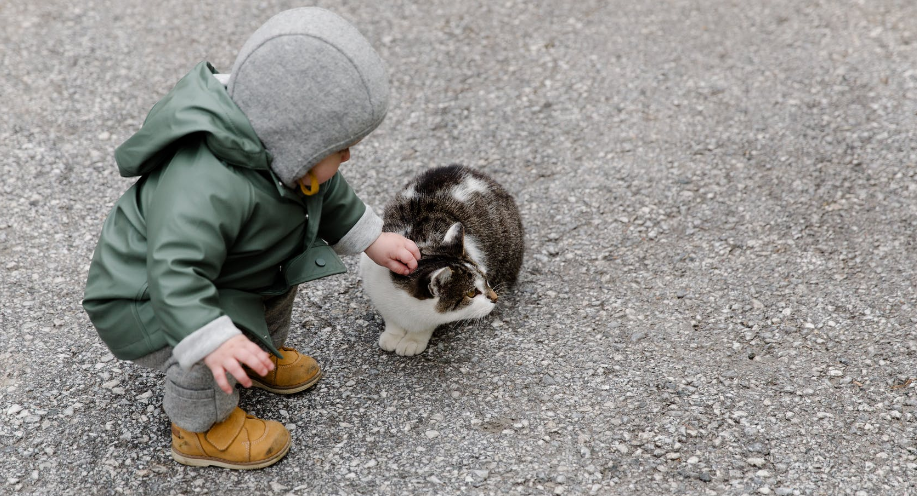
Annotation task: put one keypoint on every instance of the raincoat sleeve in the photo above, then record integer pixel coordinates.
(196, 218)
(347, 224)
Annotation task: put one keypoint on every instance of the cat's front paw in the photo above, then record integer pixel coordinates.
(389, 339)
(410, 345)
(403, 342)
(413, 343)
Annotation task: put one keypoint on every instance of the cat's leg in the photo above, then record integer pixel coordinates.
(413, 343)
(390, 338)
(403, 342)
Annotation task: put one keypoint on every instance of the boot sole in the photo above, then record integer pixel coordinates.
(195, 461)
(287, 390)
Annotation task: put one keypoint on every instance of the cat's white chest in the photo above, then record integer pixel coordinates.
(394, 304)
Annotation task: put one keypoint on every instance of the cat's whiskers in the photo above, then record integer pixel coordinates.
(499, 288)
(477, 324)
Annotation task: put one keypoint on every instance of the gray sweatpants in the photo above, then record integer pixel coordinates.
(192, 399)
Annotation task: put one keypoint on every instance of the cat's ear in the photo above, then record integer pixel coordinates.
(454, 239)
(438, 279)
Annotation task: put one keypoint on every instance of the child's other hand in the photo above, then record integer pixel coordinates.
(394, 252)
(230, 356)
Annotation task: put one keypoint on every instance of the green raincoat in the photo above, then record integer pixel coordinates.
(208, 229)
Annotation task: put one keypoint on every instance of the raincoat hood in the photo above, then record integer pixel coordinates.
(311, 85)
(198, 107)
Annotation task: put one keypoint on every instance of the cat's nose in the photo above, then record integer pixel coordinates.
(491, 295)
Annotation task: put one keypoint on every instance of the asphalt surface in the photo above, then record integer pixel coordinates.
(720, 200)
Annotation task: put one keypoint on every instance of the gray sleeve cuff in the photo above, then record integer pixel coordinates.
(361, 235)
(203, 341)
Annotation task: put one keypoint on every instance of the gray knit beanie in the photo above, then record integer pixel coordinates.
(311, 85)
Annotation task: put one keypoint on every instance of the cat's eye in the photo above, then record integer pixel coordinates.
(472, 293)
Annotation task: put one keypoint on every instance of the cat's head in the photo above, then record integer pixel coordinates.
(448, 275)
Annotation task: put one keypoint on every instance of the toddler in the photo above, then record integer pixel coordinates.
(240, 200)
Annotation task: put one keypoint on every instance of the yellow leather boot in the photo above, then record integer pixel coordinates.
(241, 441)
(293, 373)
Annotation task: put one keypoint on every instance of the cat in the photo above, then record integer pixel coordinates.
(470, 237)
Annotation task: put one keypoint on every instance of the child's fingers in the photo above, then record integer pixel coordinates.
(407, 258)
(258, 354)
(236, 370)
(412, 247)
(410, 260)
(254, 362)
(219, 375)
(263, 356)
(397, 267)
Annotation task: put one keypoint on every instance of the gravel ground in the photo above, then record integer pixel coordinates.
(720, 199)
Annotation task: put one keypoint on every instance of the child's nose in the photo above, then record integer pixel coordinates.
(345, 155)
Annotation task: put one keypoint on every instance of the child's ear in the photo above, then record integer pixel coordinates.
(454, 240)
(438, 279)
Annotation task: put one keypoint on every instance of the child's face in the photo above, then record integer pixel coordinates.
(328, 167)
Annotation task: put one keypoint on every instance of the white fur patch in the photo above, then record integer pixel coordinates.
(452, 233)
(408, 194)
(394, 304)
(463, 191)
(475, 253)
(409, 322)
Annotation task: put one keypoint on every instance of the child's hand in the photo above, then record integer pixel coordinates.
(230, 356)
(394, 252)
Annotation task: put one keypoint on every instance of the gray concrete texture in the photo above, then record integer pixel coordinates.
(718, 294)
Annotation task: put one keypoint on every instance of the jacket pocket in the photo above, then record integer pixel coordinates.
(316, 262)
